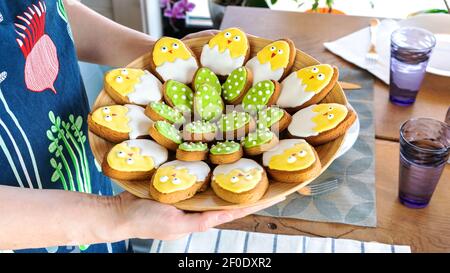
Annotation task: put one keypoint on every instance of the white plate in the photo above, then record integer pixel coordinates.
(351, 136)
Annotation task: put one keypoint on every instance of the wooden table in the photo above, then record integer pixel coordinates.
(424, 229)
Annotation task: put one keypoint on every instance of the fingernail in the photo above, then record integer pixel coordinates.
(224, 217)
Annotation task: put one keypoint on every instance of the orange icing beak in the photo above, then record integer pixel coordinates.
(170, 51)
(273, 55)
(228, 41)
(312, 77)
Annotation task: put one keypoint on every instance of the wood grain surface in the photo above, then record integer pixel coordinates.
(208, 200)
(425, 230)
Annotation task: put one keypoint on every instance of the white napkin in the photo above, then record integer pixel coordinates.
(234, 241)
(354, 47)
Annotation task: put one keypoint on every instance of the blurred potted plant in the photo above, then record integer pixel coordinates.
(328, 9)
(174, 16)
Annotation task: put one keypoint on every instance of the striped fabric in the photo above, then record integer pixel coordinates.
(233, 241)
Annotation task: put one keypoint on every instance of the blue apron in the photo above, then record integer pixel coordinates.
(43, 108)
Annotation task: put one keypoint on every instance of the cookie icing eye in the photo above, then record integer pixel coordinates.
(291, 159)
(106, 110)
(330, 116)
(272, 48)
(124, 72)
(237, 38)
(302, 153)
(330, 108)
(108, 118)
(248, 176)
(121, 154)
(130, 161)
(164, 178)
(315, 70)
(321, 77)
(176, 181)
(234, 179)
(175, 46)
(227, 35)
(164, 49)
(280, 51)
(119, 79)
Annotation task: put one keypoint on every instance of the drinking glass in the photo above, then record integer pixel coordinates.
(424, 151)
(410, 51)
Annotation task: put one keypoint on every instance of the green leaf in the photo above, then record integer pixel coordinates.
(71, 118)
(273, 2)
(58, 121)
(50, 135)
(55, 176)
(51, 116)
(52, 147)
(315, 5)
(54, 129)
(59, 166)
(79, 122)
(83, 139)
(53, 163)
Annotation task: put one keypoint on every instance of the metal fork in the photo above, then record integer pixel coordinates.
(372, 54)
(319, 188)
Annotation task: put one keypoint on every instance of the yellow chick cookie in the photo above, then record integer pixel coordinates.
(272, 62)
(173, 60)
(296, 158)
(114, 117)
(302, 85)
(239, 181)
(133, 86)
(226, 51)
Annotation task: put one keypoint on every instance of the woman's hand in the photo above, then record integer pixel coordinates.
(147, 219)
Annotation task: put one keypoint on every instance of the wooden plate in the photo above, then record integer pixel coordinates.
(208, 200)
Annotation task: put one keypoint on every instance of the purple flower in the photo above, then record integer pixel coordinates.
(178, 9)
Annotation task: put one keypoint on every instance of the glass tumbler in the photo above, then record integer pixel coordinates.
(411, 48)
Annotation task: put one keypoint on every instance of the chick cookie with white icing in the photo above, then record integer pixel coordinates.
(272, 62)
(130, 85)
(171, 59)
(117, 123)
(292, 161)
(134, 159)
(307, 86)
(226, 51)
(243, 181)
(225, 152)
(177, 180)
(321, 123)
(192, 151)
(166, 134)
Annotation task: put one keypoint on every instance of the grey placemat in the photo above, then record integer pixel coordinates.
(354, 201)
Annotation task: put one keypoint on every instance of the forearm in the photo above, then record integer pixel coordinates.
(102, 41)
(42, 218)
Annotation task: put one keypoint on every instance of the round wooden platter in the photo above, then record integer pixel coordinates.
(208, 200)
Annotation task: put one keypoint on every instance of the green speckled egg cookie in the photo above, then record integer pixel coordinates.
(178, 95)
(259, 141)
(235, 124)
(262, 94)
(166, 134)
(205, 75)
(236, 85)
(200, 131)
(208, 103)
(161, 111)
(225, 152)
(273, 118)
(192, 151)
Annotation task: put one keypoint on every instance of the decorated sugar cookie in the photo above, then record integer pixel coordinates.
(178, 95)
(292, 161)
(243, 181)
(272, 62)
(235, 125)
(259, 141)
(161, 111)
(273, 118)
(307, 86)
(226, 51)
(134, 159)
(225, 152)
(130, 85)
(166, 134)
(192, 151)
(205, 75)
(203, 131)
(173, 60)
(236, 85)
(117, 123)
(208, 104)
(262, 94)
(177, 180)
(321, 123)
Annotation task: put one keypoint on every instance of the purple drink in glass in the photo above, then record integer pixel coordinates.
(424, 151)
(410, 51)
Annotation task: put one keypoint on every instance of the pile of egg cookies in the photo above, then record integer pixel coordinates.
(221, 119)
